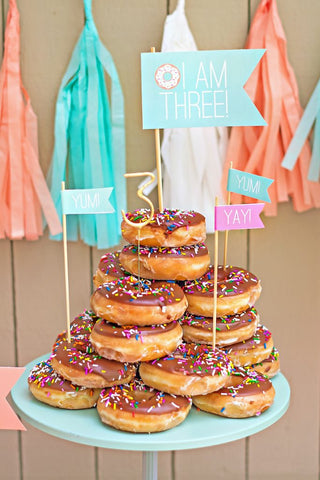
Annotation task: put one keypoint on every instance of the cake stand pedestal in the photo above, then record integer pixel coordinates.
(200, 429)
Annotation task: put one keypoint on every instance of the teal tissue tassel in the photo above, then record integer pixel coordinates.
(89, 150)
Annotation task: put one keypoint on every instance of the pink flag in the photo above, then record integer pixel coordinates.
(8, 377)
(238, 217)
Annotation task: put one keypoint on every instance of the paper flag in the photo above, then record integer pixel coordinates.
(238, 217)
(198, 89)
(311, 115)
(86, 201)
(89, 149)
(23, 189)
(253, 186)
(273, 88)
(8, 377)
(192, 157)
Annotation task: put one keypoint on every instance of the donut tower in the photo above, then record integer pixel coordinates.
(143, 353)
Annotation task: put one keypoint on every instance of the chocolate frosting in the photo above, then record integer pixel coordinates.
(110, 370)
(144, 293)
(251, 383)
(188, 251)
(167, 220)
(273, 357)
(231, 281)
(223, 324)
(44, 376)
(195, 359)
(261, 337)
(108, 329)
(80, 330)
(110, 265)
(136, 397)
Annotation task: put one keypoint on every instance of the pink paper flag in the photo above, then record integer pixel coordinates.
(238, 217)
(8, 377)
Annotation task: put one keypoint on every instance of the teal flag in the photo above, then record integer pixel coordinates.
(248, 184)
(198, 89)
(310, 116)
(89, 150)
(86, 201)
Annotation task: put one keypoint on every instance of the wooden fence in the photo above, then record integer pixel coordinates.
(285, 255)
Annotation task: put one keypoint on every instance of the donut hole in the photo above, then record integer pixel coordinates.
(142, 395)
(236, 380)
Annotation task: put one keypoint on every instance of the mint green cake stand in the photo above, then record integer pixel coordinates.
(200, 429)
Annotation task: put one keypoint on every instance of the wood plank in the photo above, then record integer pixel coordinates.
(9, 440)
(211, 462)
(140, 21)
(217, 25)
(290, 297)
(51, 458)
(7, 354)
(285, 256)
(49, 31)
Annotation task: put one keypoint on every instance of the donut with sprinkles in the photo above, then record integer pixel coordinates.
(133, 343)
(80, 330)
(88, 369)
(237, 290)
(193, 369)
(229, 329)
(251, 351)
(169, 228)
(270, 366)
(47, 386)
(248, 394)
(166, 263)
(109, 269)
(135, 407)
(130, 302)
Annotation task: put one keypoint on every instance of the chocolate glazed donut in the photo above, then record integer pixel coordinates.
(47, 386)
(135, 407)
(229, 329)
(166, 263)
(129, 302)
(237, 290)
(133, 343)
(248, 394)
(192, 369)
(169, 228)
(109, 269)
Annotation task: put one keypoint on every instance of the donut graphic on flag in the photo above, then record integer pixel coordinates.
(167, 76)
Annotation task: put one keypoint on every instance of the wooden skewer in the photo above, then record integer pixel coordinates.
(139, 261)
(66, 271)
(215, 284)
(158, 160)
(226, 233)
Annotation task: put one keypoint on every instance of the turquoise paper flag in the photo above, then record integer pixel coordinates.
(86, 201)
(89, 149)
(248, 184)
(311, 115)
(198, 89)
